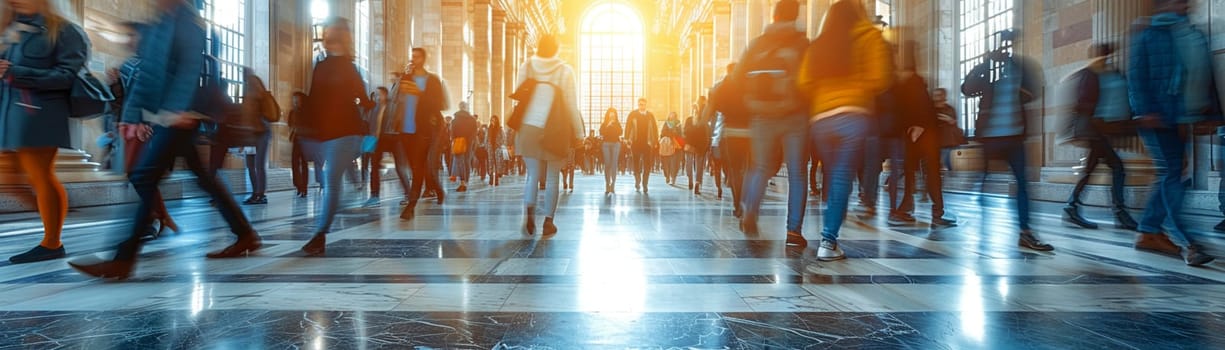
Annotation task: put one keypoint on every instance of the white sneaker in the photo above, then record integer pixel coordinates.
(830, 251)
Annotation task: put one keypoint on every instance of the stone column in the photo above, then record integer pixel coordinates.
(497, 64)
(482, 42)
(512, 64)
(722, 35)
(709, 55)
(454, 49)
(739, 32)
(757, 16)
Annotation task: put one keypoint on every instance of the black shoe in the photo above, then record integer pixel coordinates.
(301, 194)
(1195, 256)
(317, 245)
(1071, 215)
(1220, 227)
(548, 228)
(1123, 220)
(39, 253)
(1031, 241)
(241, 248)
(115, 269)
(261, 199)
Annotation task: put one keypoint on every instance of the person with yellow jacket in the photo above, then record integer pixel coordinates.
(847, 66)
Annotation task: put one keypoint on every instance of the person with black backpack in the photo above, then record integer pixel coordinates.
(697, 143)
(729, 140)
(766, 80)
(168, 92)
(1004, 84)
(843, 89)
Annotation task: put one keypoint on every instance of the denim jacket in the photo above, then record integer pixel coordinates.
(173, 57)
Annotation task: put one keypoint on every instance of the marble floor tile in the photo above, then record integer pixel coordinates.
(333, 297)
(668, 270)
(468, 297)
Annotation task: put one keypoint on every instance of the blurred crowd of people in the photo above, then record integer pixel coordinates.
(831, 111)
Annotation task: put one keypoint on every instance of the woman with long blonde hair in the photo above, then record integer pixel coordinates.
(42, 51)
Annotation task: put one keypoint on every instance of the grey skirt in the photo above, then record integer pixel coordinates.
(528, 144)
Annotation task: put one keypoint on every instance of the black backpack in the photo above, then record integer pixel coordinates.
(770, 72)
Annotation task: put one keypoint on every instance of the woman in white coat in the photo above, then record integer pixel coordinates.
(547, 133)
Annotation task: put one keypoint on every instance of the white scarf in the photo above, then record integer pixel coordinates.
(13, 35)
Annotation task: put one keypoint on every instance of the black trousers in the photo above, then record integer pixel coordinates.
(299, 167)
(924, 155)
(1100, 150)
(418, 149)
(165, 146)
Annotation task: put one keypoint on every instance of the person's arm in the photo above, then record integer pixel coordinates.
(188, 51)
(71, 51)
(571, 91)
(1138, 79)
(878, 72)
(977, 81)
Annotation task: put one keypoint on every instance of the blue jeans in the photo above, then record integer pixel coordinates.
(769, 137)
(946, 157)
(551, 170)
(612, 153)
(257, 165)
(154, 164)
(1011, 150)
(336, 156)
(840, 140)
(1165, 203)
(463, 166)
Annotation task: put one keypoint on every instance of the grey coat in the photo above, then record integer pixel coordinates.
(34, 93)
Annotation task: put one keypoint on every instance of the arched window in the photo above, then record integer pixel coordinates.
(979, 21)
(612, 45)
(227, 39)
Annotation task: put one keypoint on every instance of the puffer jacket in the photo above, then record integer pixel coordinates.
(872, 74)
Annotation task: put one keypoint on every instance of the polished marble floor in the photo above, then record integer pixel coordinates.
(664, 270)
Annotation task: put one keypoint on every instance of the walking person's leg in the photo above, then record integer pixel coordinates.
(52, 201)
(337, 155)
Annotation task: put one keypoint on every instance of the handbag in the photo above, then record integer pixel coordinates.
(522, 96)
(459, 145)
(951, 136)
(89, 98)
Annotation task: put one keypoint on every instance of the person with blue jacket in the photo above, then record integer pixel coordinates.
(166, 92)
(41, 52)
(1170, 85)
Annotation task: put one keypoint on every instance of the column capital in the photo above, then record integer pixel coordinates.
(499, 16)
(722, 7)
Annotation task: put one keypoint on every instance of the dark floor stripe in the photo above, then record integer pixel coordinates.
(469, 330)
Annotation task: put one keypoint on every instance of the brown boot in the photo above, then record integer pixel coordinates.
(1157, 243)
